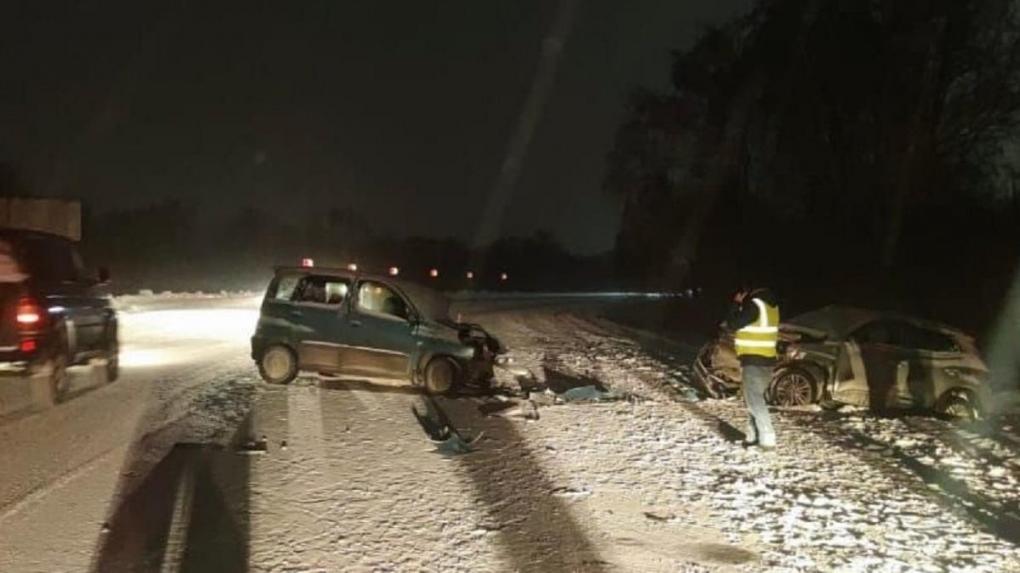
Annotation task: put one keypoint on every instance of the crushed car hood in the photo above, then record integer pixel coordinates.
(434, 309)
(834, 322)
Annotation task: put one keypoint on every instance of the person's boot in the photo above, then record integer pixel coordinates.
(750, 437)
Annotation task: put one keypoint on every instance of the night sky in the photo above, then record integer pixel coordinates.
(399, 110)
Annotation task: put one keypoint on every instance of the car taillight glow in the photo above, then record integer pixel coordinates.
(28, 317)
(28, 345)
(29, 313)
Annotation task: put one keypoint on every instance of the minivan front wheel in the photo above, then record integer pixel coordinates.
(278, 365)
(440, 375)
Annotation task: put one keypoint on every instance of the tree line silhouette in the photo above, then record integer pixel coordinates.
(842, 151)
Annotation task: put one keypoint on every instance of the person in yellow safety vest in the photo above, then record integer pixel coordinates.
(754, 321)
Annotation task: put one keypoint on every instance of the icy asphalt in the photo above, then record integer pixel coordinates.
(190, 463)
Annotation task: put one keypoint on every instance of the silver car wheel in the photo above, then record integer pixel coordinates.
(793, 389)
(959, 408)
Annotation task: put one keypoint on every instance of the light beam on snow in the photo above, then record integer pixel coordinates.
(1003, 357)
(142, 357)
(212, 324)
(162, 337)
(541, 86)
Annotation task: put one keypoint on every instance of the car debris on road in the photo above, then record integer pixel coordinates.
(587, 394)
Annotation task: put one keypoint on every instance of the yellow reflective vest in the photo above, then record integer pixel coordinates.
(760, 337)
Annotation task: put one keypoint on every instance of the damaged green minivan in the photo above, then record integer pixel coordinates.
(342, 323)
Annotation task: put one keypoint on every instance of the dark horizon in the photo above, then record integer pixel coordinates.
(225, 105)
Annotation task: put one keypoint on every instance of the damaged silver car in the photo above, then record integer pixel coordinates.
(846, 355)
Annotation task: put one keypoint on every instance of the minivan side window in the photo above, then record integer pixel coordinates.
(318, 289)
(380, 299)
(285, 286)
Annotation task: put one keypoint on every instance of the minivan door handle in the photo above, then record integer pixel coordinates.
(355, 323)
(296, 313)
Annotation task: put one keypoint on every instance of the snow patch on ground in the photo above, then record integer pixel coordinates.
(845, 491)
(317, 477)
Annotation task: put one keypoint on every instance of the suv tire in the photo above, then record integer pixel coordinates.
(112, 357)
(51, 388)
(58, 376)
(278, 365)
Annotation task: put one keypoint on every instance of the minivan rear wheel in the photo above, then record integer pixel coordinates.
(278, 365)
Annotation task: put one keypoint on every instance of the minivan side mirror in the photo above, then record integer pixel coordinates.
(103, 275)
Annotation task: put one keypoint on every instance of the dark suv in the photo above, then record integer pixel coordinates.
(51, 314)
(343, 323)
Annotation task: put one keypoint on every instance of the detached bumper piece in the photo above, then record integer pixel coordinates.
(712, 384)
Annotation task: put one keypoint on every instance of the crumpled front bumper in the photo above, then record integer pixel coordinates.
(477, 372)
(480, 369)
(483, 352)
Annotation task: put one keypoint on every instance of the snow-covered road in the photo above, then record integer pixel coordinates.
(189, 463)
(61, 469)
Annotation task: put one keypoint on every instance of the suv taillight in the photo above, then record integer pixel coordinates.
(30, 315)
